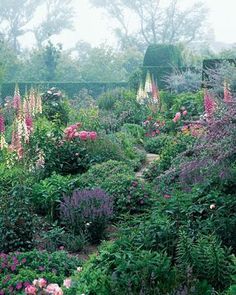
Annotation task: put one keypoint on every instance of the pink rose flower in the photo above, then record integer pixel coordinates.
(185, 112)
(42, 283)
(30, 290)
(93, 135)
(83, 135)
(67, 283)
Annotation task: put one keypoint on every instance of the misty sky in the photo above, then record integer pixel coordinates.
(93, 26)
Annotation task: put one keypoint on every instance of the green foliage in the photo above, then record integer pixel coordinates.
(134, 130)
(119, 181)
(122, 107)
(173, 148)
(207, 258)
(47, 194)
(52, 237)
(55, 108)
(157, 144)
(17, 223)
(154, 231)
(172, 103)
(120, 269)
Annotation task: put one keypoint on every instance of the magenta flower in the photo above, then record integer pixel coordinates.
(93, 135)
(19, 286)
(31, 290)
(29, 123)
(209, 103)
(2, 124)
(83, 135)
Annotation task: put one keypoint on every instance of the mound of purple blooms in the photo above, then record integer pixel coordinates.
(87, 206)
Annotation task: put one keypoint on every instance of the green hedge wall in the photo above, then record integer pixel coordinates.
(71, 89)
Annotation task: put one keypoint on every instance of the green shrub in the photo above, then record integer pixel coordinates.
(156, 144)
(17, 223)
(134, 130)
(98, 173)
(47, 194)
(207, 258)
(103, 149)
(118, 180)
(120, 269)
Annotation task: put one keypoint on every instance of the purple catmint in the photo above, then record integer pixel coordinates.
(86, 206)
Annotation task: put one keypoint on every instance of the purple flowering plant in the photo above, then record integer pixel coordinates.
(87, 211)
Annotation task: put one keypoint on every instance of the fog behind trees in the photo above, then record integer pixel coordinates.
(29, 28)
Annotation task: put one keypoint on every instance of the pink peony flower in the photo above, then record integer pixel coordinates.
(83, 135)
(185, 113)
(42, 283)
(93, 135)
(178, 116)
(30, 290)
(67, 283)
(54, 289)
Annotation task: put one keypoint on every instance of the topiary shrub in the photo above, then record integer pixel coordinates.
(159, 60)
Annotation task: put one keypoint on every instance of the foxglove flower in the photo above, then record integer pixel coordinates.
(209, 104)
(17, 99)
(2, 124)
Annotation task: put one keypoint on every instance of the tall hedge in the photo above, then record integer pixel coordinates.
(71, 89)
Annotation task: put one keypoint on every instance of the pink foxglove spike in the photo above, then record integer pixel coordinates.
(17, 99)
(32, 102)
(227, 93)
(209, 103)
(2, 124)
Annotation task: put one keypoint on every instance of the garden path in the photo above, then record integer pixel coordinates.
(150, 159)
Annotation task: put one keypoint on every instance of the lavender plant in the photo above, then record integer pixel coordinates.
(87, 211)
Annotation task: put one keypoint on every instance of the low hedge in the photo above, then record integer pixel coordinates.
(70, 88)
